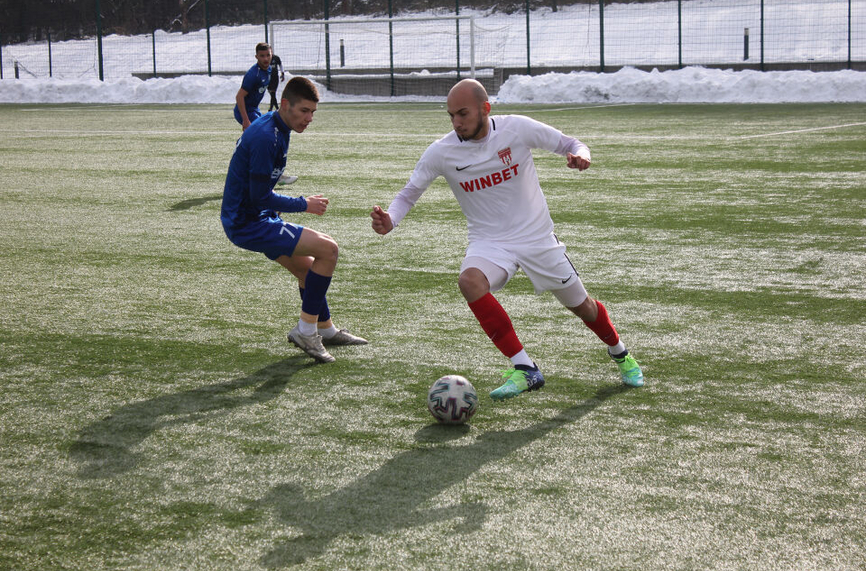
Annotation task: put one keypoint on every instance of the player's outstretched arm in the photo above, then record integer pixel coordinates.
(317, 204)
(381, 221)
(577, 162)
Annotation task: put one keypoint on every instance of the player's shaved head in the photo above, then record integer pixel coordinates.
(468, 107)
(468, 88)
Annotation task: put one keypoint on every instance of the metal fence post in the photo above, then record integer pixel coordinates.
(391, 43)
(601, 34)
(266, 20)
(762, 35)
(457, 22)
(680, 33)
(153, 36)
(472, 45)
(50, 67)
(849, 34)
(99, 39)
(207, 28)
(528, 64)
(327, 46)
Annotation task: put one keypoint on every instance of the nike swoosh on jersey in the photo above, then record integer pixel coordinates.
(462, 168)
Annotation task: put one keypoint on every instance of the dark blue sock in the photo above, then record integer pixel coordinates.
(325, 313)
(315, 288)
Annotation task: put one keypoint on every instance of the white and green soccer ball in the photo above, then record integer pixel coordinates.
(452, 400)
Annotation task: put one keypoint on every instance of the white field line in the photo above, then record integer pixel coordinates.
(579, 108)
(222, 133)
(589, 137)
(107, 133)
(424, 136)
(350, 104)
(802, 130)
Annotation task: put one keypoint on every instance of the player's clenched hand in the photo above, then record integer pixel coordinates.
(381, 221)
(577, 162)
(317, 204)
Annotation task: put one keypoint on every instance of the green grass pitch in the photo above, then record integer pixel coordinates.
(153, 416)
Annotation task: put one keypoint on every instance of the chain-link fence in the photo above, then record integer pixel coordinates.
(519, 37)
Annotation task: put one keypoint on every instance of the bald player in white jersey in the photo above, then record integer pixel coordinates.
(487, 161)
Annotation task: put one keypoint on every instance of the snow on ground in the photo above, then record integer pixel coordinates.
(628, 85)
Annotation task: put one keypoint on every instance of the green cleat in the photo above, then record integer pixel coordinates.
(630, 370)
(518, 381)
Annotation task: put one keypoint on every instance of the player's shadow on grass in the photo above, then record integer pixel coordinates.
(107, 447)
(393, 496)
(187, 204)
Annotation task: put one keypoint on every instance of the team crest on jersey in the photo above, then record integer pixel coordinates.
(505, 155)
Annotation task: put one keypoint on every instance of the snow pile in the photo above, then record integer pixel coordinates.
(628, 85)
(688, 85)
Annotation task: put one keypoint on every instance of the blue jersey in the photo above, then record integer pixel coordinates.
(258, 162)
(255, 83)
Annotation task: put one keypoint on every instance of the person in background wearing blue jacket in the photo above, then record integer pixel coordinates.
(250, 216)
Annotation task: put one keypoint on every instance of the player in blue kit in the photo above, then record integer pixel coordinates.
(253, 87)
(250, 216)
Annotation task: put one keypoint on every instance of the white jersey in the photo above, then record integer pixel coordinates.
(494, 180)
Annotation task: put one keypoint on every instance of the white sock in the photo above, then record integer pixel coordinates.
(306, 328)
(616, 349)
(522, 359)
(327, 332)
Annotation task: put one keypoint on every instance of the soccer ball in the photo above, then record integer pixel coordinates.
(452, 399)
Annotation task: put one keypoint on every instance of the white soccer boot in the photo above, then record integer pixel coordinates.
(286, 179)
(343, 337)
(311, 345)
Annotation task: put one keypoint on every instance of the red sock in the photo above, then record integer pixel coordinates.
(496, 323)
(603, 327)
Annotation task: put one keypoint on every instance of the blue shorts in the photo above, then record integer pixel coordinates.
(252, 112)
(273, 237)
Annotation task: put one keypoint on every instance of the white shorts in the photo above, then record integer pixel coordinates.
(544, 261)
